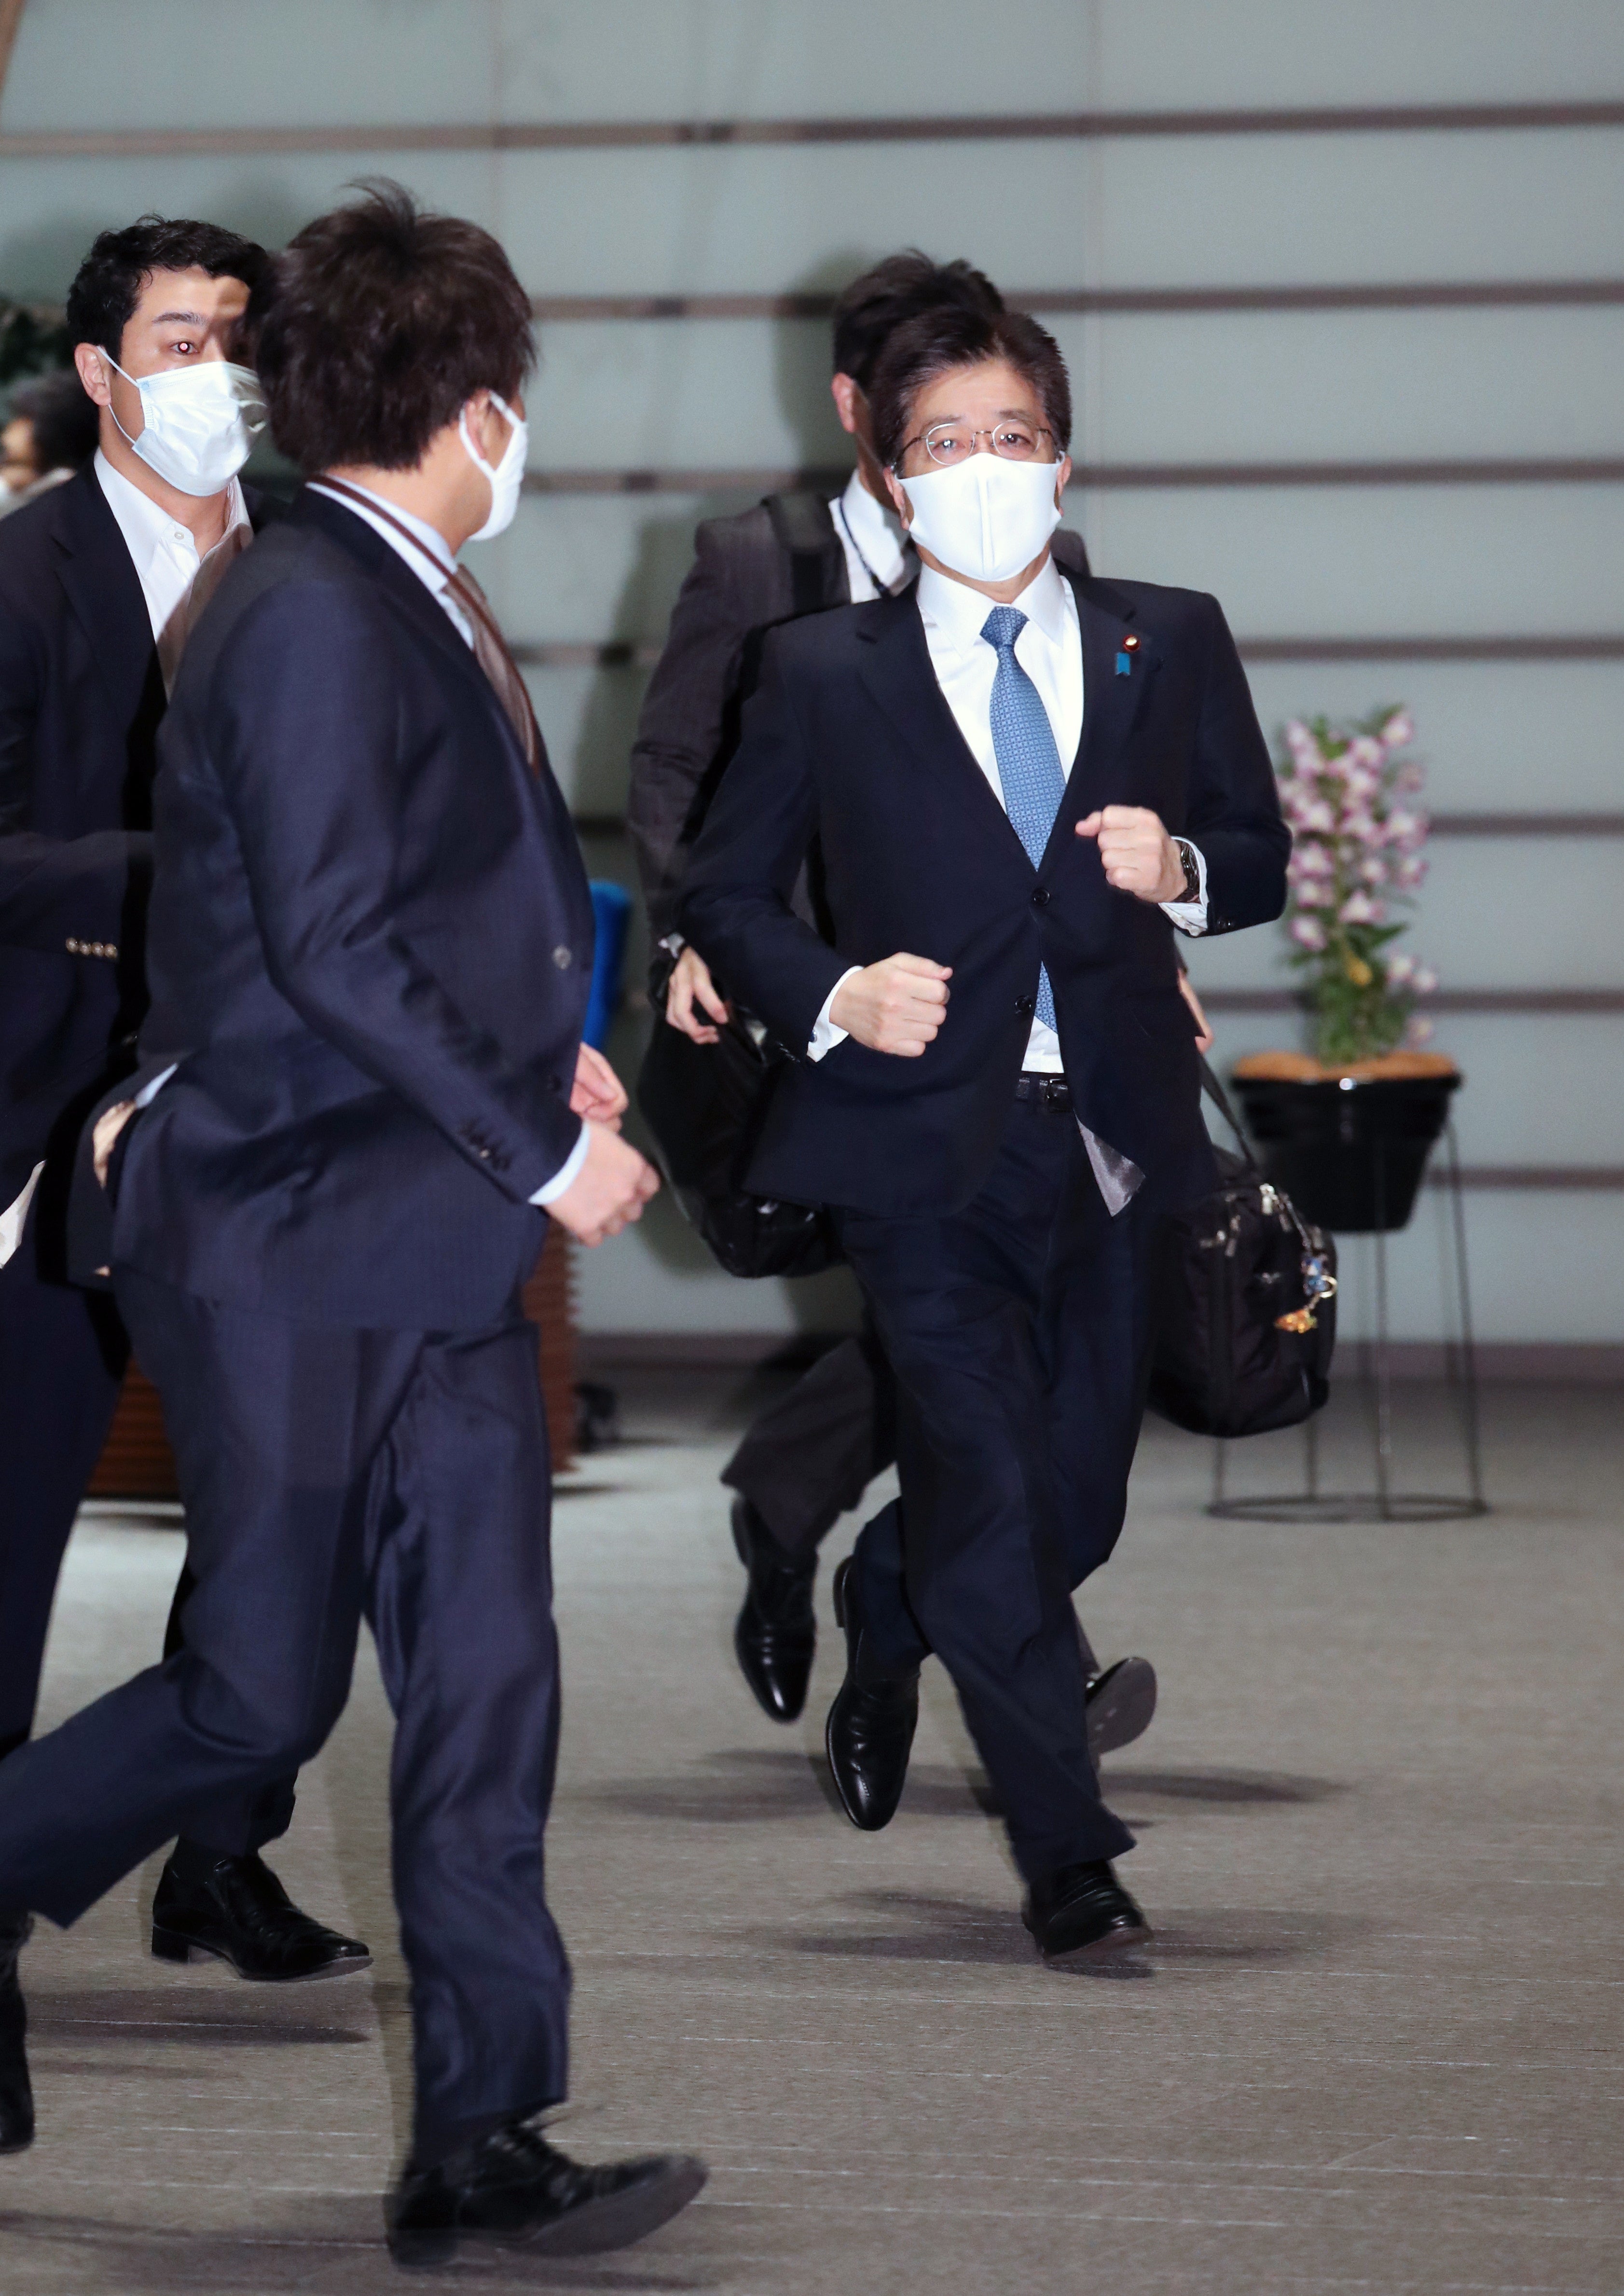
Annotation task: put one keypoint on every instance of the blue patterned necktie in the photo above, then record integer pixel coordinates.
(1029, 762)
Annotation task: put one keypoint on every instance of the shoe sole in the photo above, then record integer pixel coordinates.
(1096, 1950)
(1124, 1710)
(168, 1945)
(616, 2221)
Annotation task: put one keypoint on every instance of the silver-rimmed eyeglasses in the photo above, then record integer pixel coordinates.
(948, 443)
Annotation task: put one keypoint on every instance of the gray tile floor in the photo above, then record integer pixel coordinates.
(1377, 2048)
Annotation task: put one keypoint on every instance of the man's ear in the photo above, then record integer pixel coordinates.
(93, 373)
(1062, 480)
(905, 508)
(846, 394)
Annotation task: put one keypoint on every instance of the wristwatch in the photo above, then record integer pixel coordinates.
(1192, 875)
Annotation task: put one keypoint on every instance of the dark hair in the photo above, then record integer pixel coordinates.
(870, 311)
(384, 322)
(63, 418)
(940, 340)
(108, 282)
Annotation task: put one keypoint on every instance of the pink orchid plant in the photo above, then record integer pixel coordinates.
(1350, 796)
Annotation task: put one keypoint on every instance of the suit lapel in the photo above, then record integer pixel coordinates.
(102, 588)
(897, 671)
(413, 599)
(1111, 704)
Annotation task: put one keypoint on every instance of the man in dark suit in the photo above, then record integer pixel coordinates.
(360, 1082)
(100, 580)
(998, 1083)
(810, 1455)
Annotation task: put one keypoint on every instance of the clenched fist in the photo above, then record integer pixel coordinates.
(895, 1006)
(608, 1191)
(1137, 855)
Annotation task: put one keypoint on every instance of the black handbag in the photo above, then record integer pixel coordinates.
(1245, 1304)
(705, 1105)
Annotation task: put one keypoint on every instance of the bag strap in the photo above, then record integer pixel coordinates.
(805, 528)
(1220, 1098)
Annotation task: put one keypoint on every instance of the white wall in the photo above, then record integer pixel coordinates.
(1482, 561)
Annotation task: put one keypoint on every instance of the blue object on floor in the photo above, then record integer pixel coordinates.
(612, 911)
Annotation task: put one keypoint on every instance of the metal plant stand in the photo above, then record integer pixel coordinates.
(1384, 1503)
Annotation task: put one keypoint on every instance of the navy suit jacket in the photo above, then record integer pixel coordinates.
(849, 738)
(81, 698)
(369, 949)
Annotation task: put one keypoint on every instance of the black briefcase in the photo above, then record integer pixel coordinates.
(705, 1105)
(1245, 1305)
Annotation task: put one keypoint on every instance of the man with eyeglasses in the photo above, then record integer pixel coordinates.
(1022, 782)
(808, 1458)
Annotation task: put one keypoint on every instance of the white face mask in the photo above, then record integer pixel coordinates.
(200, 422)
(986, 518)
(507, 476)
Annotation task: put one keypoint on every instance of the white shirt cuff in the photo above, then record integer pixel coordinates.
(565, 1172)
(825, 1035)
(1190, 916)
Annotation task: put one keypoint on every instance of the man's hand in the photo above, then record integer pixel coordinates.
(597, 1091)
(1137, 855)
(691, 981)
(1205, 1037)
(895, 1006)
(608, 1191)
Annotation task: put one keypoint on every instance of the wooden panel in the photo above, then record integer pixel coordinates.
(549, 1302)
(137, 1463)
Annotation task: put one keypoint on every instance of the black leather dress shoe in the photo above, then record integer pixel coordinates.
(775, 1634)
(1082, 1913)
(1121, 1702)
(511, 2187)
(16, 2092)
(870, 1730)
(237, 1910)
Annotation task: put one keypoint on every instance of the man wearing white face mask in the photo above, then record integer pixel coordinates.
(1023, 784)
(361, 1092)
(101, 581)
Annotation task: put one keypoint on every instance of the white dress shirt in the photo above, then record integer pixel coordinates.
(875, 541)
(1050, 650)
(167, 559)
(434, 562)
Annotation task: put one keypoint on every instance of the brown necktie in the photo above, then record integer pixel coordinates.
(490, 648)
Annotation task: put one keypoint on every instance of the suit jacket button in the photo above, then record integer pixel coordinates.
(563, 957)
(1026, 1006)
(1040, 899)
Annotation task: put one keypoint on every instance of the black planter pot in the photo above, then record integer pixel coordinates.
(1349, 1152)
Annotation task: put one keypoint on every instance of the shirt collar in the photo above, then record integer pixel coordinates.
(431, 537)
(877, 530)
(147, 527)
(958, 612)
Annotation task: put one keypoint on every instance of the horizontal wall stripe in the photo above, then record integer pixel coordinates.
(1576, 1179)
(1083, 302)
(1553, 470)
(1600, 645)
(627, 654)
(1528, 824)
(1589, 1363)
(1505, 1001)
(1444, 825)
(948, 127)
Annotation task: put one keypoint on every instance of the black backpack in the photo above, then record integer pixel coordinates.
(1245, 1314)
